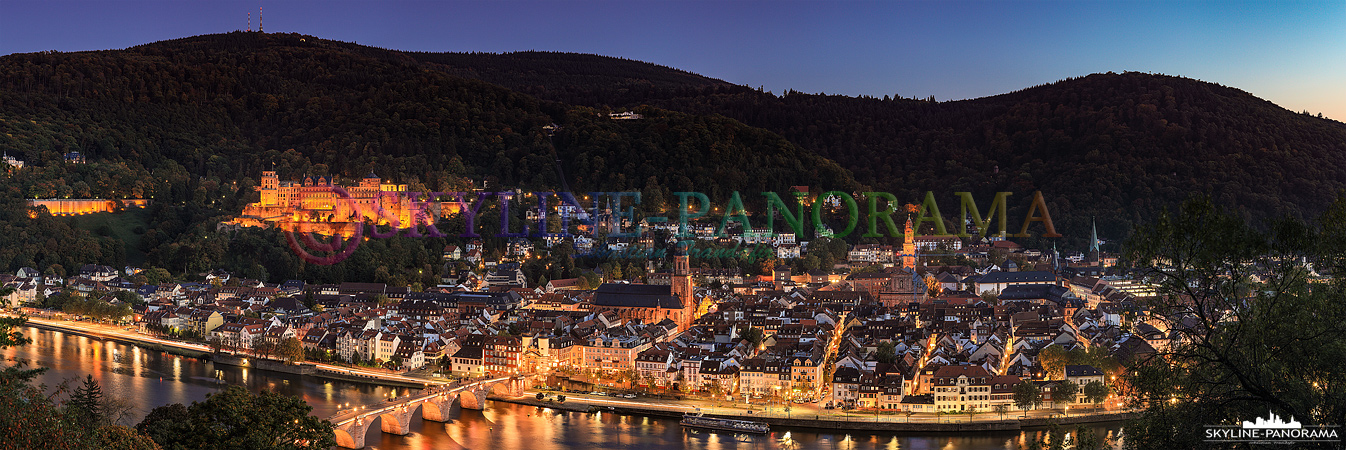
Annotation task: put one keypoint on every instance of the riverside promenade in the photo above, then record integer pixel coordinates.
(917, 422)
(799, 418)
(116, 334)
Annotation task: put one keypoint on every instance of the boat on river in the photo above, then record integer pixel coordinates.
(716, 423)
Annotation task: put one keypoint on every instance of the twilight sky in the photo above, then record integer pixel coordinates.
(1290, 52)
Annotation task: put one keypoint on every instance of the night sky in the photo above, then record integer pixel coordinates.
(1292, 53)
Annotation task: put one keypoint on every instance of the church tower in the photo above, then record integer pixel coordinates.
(682, 289)
(909, 240)
(1093, 244)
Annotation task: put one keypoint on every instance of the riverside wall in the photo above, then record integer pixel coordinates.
(263, 364)
(854, 424)
(146, 344)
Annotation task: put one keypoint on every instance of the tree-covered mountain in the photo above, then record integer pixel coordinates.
(231, 105)
(192, 122)
(1116, 147)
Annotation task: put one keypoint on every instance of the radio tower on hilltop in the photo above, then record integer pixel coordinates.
(249, 21)
(259, 20)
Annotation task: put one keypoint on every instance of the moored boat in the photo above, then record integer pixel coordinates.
(715, 423)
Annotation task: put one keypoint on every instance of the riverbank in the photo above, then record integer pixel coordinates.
(624, 407)
(336, 374)
(202, 352)
(533, 401)
(148, 343)
(819, 423)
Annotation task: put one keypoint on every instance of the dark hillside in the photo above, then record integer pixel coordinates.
(1114, 146)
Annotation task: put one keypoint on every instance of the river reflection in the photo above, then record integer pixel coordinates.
(153, 378)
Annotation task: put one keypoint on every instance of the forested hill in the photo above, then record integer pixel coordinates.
(575, 78)
(192, 122)
(230, 105)
(1118, 147)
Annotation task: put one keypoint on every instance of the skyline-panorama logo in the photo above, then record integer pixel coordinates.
(1272, 430)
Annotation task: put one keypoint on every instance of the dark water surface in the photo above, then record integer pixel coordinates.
(151, 378)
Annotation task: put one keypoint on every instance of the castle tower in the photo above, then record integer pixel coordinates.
(268, 188)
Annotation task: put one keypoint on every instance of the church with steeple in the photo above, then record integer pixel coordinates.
(653, 303)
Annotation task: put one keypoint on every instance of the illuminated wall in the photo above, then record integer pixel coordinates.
(77, 206)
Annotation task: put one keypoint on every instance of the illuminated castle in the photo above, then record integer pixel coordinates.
(315, 205)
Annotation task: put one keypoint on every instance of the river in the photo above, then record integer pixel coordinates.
(151, 378)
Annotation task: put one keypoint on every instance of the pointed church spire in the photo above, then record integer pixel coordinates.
(1094, 256)
(1056, 259)
(1093, 236)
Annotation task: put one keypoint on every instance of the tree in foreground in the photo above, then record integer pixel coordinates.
(87, 401)
(30, 419)
(1065, 392)
(1027, 396)
(236, 419)
(1001, 409)
(1259, 320)
(1096, 392)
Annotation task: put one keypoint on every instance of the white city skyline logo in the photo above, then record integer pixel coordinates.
(1272, 421)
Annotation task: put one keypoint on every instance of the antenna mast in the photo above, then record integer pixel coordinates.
(259, 20)
(249, 21)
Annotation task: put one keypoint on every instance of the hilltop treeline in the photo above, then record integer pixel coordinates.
(192, 122)
(1118, 147)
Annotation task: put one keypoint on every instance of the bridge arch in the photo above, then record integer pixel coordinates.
(438, 408)
(391, 424)
(436, 405)
(471, 399)
(344, 439)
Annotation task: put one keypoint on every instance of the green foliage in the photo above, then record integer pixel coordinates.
(234, 418)
(14, 375)
(887, 352)
(1096, 392)
(1065, 392)
(94, 308)
(128, 297)
(1257, 331)
(87, 401)
(1027, 395)
(754, 335)
(45, 242)
(1001, 409)
(117, 437)
(179, 122)
(1145, 140)
(291, 349)
(32, 420)
(1053, 360)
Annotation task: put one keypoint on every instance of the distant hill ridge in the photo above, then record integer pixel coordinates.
(1116, 147)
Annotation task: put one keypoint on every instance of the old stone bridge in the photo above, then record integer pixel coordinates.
(434, 403)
